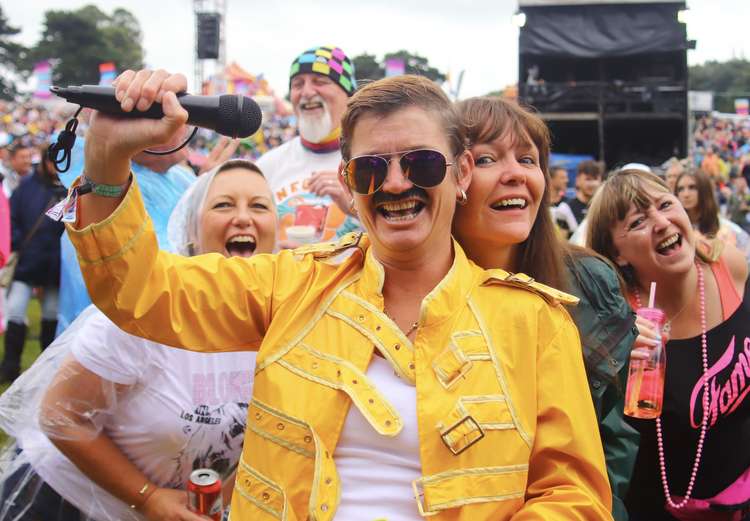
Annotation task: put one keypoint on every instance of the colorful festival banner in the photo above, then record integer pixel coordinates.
(107, 73)
(394, 67)
(43, 76)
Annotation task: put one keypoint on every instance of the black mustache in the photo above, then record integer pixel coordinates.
(413, 192)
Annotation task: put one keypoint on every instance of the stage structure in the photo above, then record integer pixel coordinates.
(210, 37)
(609, 77)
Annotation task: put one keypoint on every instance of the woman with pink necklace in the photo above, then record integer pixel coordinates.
(694, 461)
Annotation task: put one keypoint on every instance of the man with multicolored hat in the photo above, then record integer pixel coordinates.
(302, 172)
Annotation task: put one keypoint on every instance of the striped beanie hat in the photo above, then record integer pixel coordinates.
(329, 61)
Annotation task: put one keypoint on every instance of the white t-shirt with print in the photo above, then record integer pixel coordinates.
(288, 169)
(182, 410)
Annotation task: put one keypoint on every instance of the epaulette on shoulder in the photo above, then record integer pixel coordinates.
(521, 280)
(326, 250)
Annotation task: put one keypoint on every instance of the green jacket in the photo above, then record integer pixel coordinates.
(607, 328)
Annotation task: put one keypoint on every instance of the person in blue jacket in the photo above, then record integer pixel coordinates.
(36, 240)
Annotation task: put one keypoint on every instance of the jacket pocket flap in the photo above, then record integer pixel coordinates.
(457, 488)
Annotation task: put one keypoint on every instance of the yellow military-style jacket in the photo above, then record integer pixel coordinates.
(506, 425)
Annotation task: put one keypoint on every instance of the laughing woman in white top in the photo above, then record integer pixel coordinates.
(108, 426)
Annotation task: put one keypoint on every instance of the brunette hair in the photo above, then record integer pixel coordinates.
(707, 208)
(45, 162)
(488, 118)
(15, 147)
(384, 97)
(590, 168)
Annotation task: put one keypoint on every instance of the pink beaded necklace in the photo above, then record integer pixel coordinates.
(704, 423)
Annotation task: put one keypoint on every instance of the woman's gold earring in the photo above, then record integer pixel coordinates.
(352, 209)
(463, 198)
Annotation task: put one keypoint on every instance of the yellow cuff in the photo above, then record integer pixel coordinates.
(114, 235)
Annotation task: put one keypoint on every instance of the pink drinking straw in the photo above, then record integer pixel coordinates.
(652, 295)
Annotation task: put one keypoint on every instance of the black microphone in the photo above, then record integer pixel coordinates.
(230, 114)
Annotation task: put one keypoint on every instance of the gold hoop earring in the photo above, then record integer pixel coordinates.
(463, 198)
(352, 209)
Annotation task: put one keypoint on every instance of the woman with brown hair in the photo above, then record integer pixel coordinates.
(506, 223)
(696, 192)
(693, 461)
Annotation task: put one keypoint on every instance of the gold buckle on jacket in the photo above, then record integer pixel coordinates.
(460, 373)
(418, 496)
(460, 422)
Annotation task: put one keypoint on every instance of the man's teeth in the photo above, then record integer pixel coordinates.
(669, 241)
(400, 210)
(397, 206)
(505, 203)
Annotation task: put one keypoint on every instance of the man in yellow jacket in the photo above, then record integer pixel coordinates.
(484, 396)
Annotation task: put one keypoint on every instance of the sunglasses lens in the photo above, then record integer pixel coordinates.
(366, 174)
(424, 168)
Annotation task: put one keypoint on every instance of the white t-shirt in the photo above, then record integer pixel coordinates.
(562, 212)
(377, 471)
(288, 169)
(183, 410)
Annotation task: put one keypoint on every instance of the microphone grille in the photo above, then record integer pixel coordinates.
(239, 116)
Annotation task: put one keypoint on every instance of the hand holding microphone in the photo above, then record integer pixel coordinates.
(147, 113)
(111, 139)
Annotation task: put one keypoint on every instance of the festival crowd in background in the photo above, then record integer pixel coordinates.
(317, 361)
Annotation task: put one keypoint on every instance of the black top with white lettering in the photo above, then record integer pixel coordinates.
(726, 450)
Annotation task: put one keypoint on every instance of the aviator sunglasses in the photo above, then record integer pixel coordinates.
(424, 168)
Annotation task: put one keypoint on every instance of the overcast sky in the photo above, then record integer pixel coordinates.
(472, 35)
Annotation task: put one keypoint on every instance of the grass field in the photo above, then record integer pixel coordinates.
(30, 349)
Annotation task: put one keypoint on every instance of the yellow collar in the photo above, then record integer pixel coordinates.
(439, 304)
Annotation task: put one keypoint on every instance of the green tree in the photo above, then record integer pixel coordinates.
(12, 56)
(78, 41)
(415, 64)
(727, 80)
(367, 68)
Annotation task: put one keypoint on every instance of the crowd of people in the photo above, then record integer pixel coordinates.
(394, 312)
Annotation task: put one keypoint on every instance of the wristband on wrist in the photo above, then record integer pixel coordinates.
(144, 493)
(88, 186)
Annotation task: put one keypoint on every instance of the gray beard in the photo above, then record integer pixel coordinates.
(314, 129)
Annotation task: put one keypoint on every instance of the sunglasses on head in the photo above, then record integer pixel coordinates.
(424, 168)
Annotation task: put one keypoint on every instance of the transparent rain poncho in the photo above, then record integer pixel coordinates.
(168, 410)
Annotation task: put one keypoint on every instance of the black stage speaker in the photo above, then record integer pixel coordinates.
(208, 27)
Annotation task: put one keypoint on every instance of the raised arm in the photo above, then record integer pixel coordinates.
(111, 142)
(206, 303)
